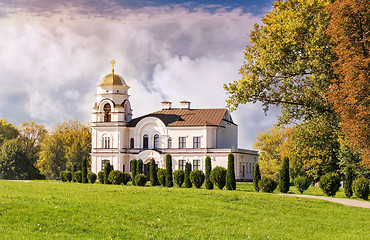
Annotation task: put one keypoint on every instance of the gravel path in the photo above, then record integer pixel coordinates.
(348, 202)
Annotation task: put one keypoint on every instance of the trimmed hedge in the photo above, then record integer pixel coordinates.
(197, 178)
(330, 183)
(169, 182)
(133, 170)
(140, 180)
(178, 177)
(115, 177)
(101, 177)
(161, 174)
(230, 174)
(78, 176)
(84, 170)
(209, 184)
(107, 170)
(256, 176)
(187, 182)
(284, 179)
(153, 173)
(126, 178)
(361, 188)
(65, 176)
(267, 184)
(348, 180)
(302, 183)
(218, 176)
(91, 177)
(139, 167)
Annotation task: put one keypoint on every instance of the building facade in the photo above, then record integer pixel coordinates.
(189, 135)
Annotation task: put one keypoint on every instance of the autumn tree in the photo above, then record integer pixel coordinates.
(7, 131)
(269, 143)
(350, 34)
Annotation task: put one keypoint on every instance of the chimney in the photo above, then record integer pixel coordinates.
(185, 105)
(166, 105)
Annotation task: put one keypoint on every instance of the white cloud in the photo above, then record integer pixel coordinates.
(163, 53)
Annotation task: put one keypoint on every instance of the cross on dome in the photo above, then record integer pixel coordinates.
(113, 62)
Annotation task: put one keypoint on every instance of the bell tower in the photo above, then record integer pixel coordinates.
(110, 115)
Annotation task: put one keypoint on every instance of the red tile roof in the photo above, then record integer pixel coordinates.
(186, 117)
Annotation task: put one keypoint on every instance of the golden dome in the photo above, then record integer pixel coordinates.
(112, 79)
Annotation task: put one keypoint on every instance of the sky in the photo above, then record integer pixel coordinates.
(53, 53)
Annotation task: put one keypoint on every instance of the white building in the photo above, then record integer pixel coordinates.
(189, 135)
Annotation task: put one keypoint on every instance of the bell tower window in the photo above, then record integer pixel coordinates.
(107, 112)
(106, 142)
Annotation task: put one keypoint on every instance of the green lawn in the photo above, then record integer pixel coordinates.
(55, 210)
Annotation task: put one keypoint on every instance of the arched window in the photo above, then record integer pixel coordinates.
(132, 143)
(107, 110)
(145, 141)
(169, 145)
(105, 142)
(156, 141)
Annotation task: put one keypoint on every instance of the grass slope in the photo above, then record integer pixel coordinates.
(55, 210)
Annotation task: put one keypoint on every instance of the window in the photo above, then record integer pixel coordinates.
(182, 142)
(250, 167)
(105, 142)
(103, 164)
(182, 165)
(107, 112)
(196, 164)
(243, 170)
(169, 142)
(132, 143)
(145, 141)
(156, 141)
(196, 142)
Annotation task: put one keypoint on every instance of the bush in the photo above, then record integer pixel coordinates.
(74, 169)
(361, 188)
(133, 170)
(115, 177)
(101, 177)
(187, 182)
(330, 183)
(302, 183)
(284, 179)
(348, 179)
(140, 180)
(169, 182)
(230, 174)
(153, 173)
(218, 177)
(107, 170)
(78, 176)
(91, 177)
(125, 178)
(178, 177)
(68, 175)
(161, 174)
(84, 170)
(62, 176)
(256, 176)
(197, 178)
(209, 184)
(139, 167)
(267, 184)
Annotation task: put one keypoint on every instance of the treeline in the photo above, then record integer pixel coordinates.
(311, 59)
(33, 152)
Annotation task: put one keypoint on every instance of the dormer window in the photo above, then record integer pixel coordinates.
(107, 112)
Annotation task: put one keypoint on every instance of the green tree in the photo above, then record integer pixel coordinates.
(209, 184)
(256, 176)
(107, 170)
(284, 178)
(187, 182)
(169, 182)
(270, 143)
(133, 170)
(348, 179)
(139, 167)
(153, 173)
(84, 170)
(218, 176)
(178, 177)
(7, 131)
(14, 161)
(197, 178)
(230, 174)
(161, 174)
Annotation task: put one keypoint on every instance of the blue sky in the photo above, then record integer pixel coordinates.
(53, 53)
